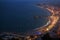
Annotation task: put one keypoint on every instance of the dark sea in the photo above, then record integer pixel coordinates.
(18, 16)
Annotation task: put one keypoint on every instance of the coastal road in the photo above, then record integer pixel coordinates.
(53, 19)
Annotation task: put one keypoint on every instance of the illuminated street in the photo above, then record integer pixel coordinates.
(53, 19)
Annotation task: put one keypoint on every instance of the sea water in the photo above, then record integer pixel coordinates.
(18, 16)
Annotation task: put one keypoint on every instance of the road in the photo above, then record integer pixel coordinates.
(53, 19)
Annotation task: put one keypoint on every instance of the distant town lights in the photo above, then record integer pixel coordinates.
(47, 29)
